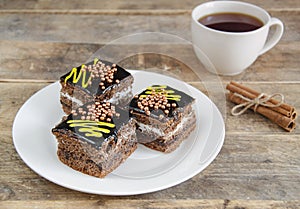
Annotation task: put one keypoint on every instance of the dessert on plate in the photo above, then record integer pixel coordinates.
(95, 138)
(164, 115)
(97, 80)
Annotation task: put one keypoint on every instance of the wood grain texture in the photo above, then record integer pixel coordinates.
(135, 5)
(24, 60)
(262, 169)
(258, 161)
(246, 123)
(156, 204)
(259, 164)
(15, 94)
(94, 28)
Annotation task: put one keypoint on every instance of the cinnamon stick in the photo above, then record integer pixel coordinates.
(284, 115)
(284, 109)
(283, 121)
(294, 115)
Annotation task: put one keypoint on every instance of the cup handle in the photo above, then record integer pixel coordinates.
(273, 40)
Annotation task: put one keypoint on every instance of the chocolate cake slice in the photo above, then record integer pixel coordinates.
(97, 80)
(95, 138)
(164, 116)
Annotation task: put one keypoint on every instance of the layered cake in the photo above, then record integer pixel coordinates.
(97, 80)
(95, 138)
(164, 115)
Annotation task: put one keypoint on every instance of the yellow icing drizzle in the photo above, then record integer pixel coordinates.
(157, 87)
(162, 89)
(76, 78)
(89, 122)
(174, 97)
(91, 128)
(95, 61)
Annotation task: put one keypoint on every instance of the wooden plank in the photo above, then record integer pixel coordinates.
(26, 60)
(258, 159)
(248, 167)
(101, 29)
(130, 5)
(247, 123)
(258, 166)
(154, 203)
(12, 98)
(266, 204)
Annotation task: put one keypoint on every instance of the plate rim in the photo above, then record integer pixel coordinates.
(141, 191)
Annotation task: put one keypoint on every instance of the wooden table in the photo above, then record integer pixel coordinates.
(259, 164)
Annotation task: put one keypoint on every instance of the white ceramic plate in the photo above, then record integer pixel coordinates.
(144, 171)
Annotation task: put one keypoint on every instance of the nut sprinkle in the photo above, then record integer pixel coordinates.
(104, 72)
(98, 70)
(98, 111)
(155, 99)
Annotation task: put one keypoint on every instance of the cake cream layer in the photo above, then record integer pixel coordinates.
(163, 115)
(67, 96)
(121, 95)
(150, 130)
(170, 142)
(117, 97)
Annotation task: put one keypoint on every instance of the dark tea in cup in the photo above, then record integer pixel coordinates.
(231, 22)
(232, 34)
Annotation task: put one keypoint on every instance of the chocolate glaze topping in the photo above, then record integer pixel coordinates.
(94, 122)
(159, 102)
(95, 77)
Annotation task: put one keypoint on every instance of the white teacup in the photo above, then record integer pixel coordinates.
(232, 52)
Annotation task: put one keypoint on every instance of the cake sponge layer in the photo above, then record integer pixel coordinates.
(96, 138)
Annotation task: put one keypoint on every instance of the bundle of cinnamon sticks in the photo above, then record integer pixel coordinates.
(282, 114)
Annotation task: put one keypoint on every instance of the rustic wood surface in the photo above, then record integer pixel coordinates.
(259, 164)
